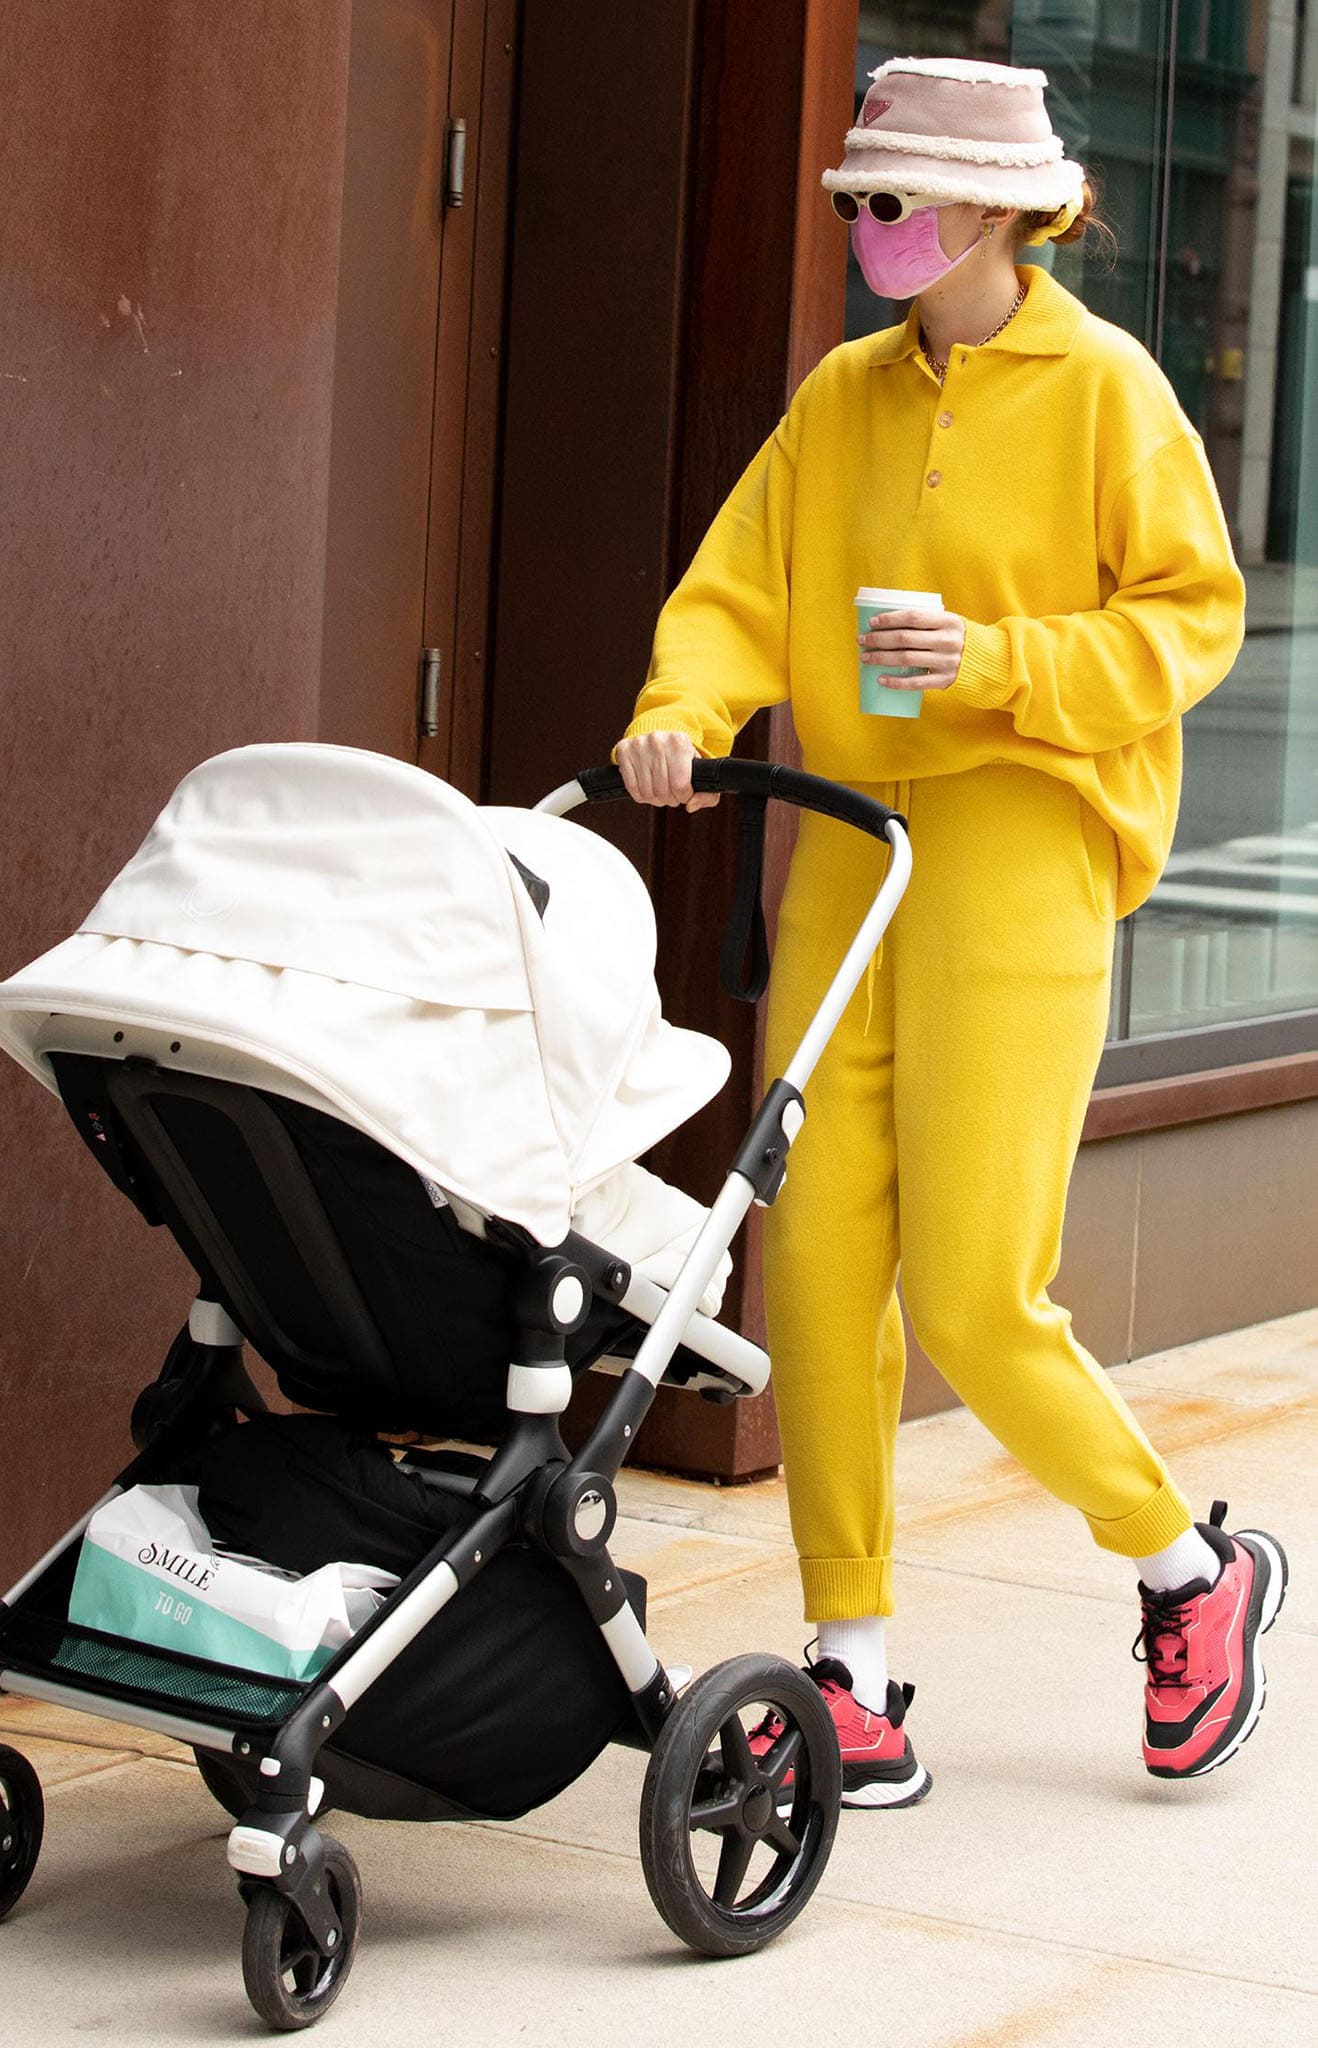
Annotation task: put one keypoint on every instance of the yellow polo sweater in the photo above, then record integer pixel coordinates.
(1054, 493)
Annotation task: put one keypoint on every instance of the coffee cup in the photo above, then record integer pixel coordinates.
(874, 696)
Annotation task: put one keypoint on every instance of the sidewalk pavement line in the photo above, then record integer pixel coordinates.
(658, 1601)
(53, 1787)
(902, 1915)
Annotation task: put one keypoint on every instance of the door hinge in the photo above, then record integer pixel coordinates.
(428, 715)
(455, 169)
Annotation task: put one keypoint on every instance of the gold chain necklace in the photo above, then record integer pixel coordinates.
(939, 364)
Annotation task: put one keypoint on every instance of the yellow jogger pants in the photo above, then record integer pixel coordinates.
(942, 1125)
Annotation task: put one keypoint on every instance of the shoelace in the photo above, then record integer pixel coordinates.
(1163, 1634)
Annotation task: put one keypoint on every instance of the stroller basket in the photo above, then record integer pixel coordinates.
(159, 1680)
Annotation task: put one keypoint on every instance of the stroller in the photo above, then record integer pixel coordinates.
(382, 1062)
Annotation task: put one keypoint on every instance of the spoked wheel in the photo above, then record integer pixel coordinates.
(22, 1824)
(734, 1842)
(288, 1980)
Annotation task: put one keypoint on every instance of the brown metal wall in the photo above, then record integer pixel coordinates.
(167, 321)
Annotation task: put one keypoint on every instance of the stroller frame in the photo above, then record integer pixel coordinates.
(531, 1488)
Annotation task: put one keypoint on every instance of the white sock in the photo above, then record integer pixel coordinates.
(1189, 1557)
(860, 1645)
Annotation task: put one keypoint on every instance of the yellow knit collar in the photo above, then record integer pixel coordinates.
(1046, 324)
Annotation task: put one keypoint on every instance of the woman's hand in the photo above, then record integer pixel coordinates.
(932, 641)
(656, 767)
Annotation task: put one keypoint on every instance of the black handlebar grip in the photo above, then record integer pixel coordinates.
(602, 785)
(762, 779)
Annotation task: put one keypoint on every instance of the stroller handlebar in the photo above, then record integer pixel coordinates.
(762, 779)
(756, 782)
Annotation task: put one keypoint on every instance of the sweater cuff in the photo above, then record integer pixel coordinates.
(667, 721)
(984, 677)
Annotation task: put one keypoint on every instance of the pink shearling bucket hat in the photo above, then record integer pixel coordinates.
(948, 130)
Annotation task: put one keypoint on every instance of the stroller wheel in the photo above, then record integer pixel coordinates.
(290, 1983)
(733, 1843)
(22, 1824)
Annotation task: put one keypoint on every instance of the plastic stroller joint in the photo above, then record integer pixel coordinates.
(573, 1513)
(284, 1775)
(197, 1382)
(533, 1442)
(762, 1157)
(552, 1297)
(614, 1434)
(651, 1705)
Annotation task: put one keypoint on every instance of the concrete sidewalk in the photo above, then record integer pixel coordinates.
(1048, 1893)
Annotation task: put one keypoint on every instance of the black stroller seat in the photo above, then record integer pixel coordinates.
(357, 1286)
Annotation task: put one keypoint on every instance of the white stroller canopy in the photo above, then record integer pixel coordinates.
(358, 933)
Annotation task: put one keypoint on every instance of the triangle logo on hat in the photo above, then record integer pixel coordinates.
(872, 111)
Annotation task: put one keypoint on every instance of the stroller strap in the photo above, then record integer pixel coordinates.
(745, 927)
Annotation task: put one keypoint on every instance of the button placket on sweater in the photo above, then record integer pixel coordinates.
(942, 421)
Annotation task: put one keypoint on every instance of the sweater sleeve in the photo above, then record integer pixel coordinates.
(1165, 636)
(720, 645)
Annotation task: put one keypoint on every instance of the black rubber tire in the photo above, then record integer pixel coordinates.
(232, 1784)
(22, 1825)
(702, 1763)
(288, 1981)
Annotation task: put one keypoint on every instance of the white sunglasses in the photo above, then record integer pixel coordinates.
(886, 207)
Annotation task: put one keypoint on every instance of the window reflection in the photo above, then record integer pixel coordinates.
(1206, 156)
(1232, 931)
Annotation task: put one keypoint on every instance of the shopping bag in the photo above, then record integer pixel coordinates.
(149, 1571)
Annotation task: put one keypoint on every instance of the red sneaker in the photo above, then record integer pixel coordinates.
(1206, 1687)
(879, 1766)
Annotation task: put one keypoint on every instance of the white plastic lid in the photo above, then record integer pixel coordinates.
(901, 600)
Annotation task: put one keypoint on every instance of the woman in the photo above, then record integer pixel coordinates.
(1029, 463)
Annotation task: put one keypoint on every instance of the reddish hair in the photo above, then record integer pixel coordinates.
(1089, 221)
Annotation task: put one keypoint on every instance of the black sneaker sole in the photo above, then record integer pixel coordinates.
(868, 1786)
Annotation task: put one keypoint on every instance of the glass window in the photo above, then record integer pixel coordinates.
(1231, 932)
(1123, 23)
(1205, 156)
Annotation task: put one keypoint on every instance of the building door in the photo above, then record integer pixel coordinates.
(416, 380)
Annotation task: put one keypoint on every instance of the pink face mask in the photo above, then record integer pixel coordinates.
(904, 258)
